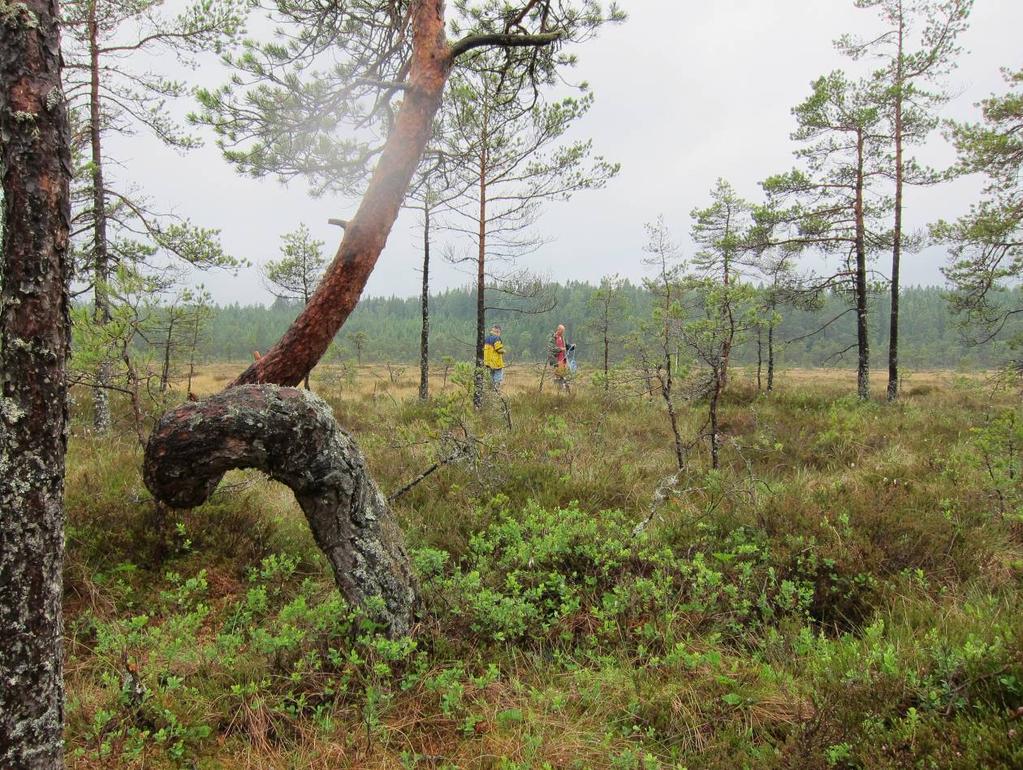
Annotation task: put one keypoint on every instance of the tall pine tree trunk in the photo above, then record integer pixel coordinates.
(424, 336)
(862, 338)
(34, 338)
(481, 282)
(100, 249)
(770, 357)
(893, 325)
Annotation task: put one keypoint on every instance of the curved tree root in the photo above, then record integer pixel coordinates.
(293, 437)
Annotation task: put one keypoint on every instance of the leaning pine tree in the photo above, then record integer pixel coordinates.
(330, 124)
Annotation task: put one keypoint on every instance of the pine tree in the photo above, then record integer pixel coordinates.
(834, 203)
(987, 243)
(509, 157)
(909, 86)
(111, 95)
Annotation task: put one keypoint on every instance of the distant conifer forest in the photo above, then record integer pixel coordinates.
(388, 329)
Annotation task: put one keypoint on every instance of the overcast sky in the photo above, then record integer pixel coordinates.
(686, 92)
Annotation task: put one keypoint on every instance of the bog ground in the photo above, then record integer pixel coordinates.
(845, 592)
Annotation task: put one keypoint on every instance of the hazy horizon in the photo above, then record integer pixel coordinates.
(677, 103)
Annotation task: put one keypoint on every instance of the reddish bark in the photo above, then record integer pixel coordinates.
(301, 347)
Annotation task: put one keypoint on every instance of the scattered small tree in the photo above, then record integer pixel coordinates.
(660, 339)
(184, 322)
(298, 271)
(717, 316)
(719, 231)
(359, 340)
(607, 306)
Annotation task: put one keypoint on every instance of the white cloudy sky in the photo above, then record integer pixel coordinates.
(686, 92)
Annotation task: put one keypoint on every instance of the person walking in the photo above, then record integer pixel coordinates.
(493, 356)
(559, 357)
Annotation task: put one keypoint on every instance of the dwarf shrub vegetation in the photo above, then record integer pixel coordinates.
(844, 592)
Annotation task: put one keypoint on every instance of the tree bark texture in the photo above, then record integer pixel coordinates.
(291, 435)
(308, 337)
(34, 338)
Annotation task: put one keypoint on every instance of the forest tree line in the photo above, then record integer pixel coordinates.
(386, 329)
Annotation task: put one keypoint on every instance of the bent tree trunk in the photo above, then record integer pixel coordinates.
(349, 518)
(291, 435)
(34, 335)
(294, 437)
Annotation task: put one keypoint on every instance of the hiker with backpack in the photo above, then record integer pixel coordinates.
(493, 356)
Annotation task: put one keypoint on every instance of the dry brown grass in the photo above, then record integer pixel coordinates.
(809, 475)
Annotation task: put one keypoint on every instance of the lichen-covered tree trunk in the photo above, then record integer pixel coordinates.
(34, 334)
(291, 435)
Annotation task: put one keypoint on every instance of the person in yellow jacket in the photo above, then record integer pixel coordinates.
(493, 356)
